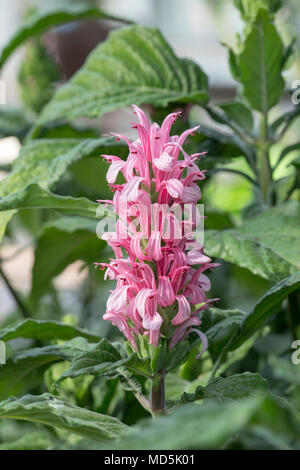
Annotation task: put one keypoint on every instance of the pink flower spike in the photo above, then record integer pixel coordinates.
(154, 244)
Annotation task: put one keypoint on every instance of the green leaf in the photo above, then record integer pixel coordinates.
(23, 370)
(282, 422)
(45, 162)
(285, 370)
(222, 146)
(35, 197)
(273, 343)
(45, 330)
(285, 120)
(233, 63)
(287, 150)
(268, 305)
(250, 8)
(52, 411)
(62, 242)
(234, 112)
(289, 55)
(103, 359)
(134, 65)
(174, 385)
(235, 387)
(267, 245)
(260, 64)
(236, 354)
(226, 324)
(36, 440)
(296, 162)
(13, 123)
(44, 20)
(220, 422)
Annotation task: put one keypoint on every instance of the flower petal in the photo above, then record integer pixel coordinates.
(184, 310)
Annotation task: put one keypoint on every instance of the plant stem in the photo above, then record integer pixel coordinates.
(18, 300)
(264, 167)
(157, 396)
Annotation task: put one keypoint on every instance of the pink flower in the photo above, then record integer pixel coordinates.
(156, 283)
(184, 310)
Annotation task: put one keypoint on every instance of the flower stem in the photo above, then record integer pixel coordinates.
(157, 396)
(264, 167)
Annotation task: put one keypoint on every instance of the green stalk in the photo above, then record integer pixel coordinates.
(157, 396)
(263, 160)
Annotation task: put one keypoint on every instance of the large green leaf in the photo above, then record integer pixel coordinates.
(62, 242)
(45, 330)
(47, 18)
(52, 411)
(268, 244)
(260, 64)
(277, 424)
(235, 387)
(35, 197)
(267, 306)
(135, 65)
(219, 326)
(102, 359)
(22, 371)
(45, 162)
(201, 427)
